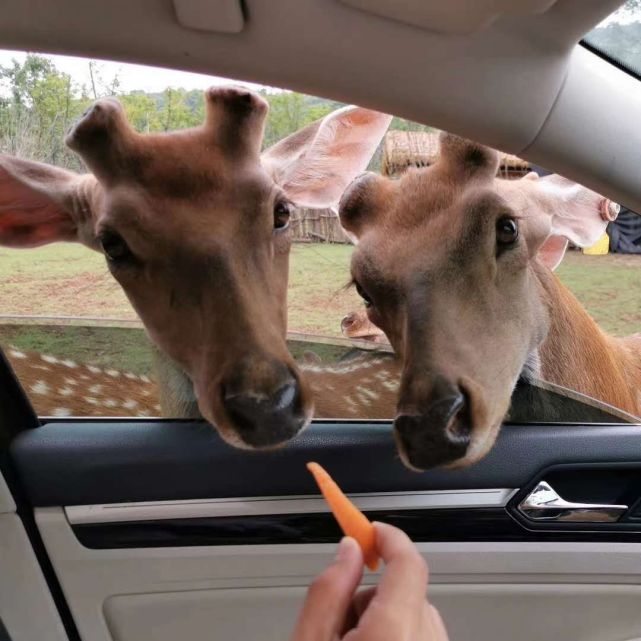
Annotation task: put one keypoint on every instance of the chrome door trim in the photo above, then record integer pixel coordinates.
(543, 504)
(260, 506)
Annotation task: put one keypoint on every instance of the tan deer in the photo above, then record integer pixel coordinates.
(364, 386)
(456, 267)
(194, 227)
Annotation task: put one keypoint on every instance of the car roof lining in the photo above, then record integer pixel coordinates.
(521, 84)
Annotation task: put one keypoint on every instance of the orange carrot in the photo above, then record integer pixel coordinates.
(352, 521)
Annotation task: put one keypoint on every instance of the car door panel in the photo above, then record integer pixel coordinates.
(210, 591)
(493, 609)
(27, 610)
(158, 529)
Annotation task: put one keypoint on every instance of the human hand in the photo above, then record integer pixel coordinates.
(395, 610)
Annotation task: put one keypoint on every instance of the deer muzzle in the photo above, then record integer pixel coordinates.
(438, 432)
(268, 414)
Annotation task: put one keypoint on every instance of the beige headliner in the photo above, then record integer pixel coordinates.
(520, 84)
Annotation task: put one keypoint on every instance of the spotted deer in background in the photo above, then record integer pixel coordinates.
(194, 227)
(62, 387)
(364, 386)
(456, 267)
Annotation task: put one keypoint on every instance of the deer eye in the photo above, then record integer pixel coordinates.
(282, 214)
(507, 231)
(361, 292)
(115, 248)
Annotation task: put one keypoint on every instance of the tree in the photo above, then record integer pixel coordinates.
(42, 104)
(141, 110)
(175, 112)
(290, 111)
(38, 103)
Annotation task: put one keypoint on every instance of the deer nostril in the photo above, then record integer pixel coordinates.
(348, 321)
(459, 426)
(285, 396)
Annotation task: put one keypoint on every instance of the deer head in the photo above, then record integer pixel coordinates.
(358, 325)
(448, 262)
(194, 227)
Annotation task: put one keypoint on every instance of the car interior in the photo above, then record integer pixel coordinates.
(136, 529)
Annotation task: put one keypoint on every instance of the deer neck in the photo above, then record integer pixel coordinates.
(364, 386)
(577, 354)
(177, 397)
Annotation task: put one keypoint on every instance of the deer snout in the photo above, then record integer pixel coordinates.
(265, 415)
(438, 431)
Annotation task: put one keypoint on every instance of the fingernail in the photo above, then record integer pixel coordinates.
(347, 543)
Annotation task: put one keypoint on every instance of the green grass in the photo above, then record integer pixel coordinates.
(318, 299)
(608, 286)
(123, 348)
(59, 280)
(69, 280)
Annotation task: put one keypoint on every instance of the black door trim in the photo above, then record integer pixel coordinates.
(97, 462)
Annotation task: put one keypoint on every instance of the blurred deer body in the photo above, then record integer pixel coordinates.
(62, 387)
(362, 387)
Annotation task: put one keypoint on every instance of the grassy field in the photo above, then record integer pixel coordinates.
(608, 286)
(68, 280)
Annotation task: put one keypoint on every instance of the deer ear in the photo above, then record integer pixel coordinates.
(578, 215)
(552, 251)
(41, 204)
(315, 164)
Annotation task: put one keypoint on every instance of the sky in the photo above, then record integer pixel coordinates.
(149, 79)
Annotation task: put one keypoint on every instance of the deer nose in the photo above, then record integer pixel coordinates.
(266, 419)
(439, 434)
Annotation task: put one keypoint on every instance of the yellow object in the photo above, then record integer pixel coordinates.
(600, 248)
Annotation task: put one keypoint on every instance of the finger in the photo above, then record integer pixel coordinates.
(362, 600)
(398, 606)
(439, 633)
(359, 604)
(406, 574)
(330, 595)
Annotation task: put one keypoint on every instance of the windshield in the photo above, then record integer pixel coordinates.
(618, 37)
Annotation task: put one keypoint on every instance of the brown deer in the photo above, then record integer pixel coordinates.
(194, 227)
(455, 266)
(364, 386)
